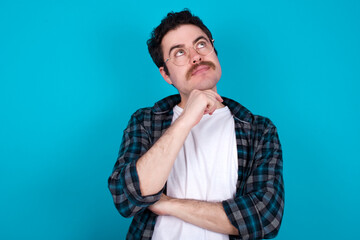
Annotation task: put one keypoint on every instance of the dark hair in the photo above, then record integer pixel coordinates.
(171, 22)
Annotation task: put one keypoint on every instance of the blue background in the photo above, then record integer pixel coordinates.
(72, 73)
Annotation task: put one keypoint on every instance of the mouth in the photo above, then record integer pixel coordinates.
(199, 68)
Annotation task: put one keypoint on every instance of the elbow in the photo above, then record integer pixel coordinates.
(269, 207)
(127, 212)
(271, 218)
(126, 193)
(129, 203)
(123, 212)
(271, 225)
(272, 233)
(124, 206)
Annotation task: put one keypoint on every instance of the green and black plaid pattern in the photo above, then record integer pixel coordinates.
(257, 208)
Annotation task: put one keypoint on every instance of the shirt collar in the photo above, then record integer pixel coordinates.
(167, 104)
(239, 111)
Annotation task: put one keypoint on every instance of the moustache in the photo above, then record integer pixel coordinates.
(206, 63)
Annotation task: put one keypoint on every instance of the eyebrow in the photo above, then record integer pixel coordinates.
(182, 45)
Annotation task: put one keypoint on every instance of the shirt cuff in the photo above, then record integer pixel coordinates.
(243, 214)
(131, 184)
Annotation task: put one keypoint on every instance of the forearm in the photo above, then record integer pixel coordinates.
(154, 166)
(207, 215)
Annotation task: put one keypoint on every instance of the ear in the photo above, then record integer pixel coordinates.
(165, 76)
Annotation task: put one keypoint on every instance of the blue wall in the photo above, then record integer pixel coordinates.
(72, 72)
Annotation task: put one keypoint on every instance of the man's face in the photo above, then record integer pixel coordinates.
(200, 72)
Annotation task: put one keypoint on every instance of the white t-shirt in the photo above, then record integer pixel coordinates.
(205, 169)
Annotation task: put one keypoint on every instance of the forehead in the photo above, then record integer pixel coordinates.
(184, 34)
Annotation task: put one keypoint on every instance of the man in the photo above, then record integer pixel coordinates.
(197, 165)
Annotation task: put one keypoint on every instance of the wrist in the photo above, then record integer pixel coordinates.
(184, 122)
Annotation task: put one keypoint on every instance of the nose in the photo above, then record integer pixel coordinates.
(195, 57)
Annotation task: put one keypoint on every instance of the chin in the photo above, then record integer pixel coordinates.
(206, 84)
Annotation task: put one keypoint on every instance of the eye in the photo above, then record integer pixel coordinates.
(201, 44)
(179, 52)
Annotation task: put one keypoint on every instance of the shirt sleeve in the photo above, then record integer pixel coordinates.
(258, 211)
(124, 181)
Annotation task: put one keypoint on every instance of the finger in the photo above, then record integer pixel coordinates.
(211, 107)
(219, 98)
(214, 94)
(211, 104)
(212, 110)
(211, 97)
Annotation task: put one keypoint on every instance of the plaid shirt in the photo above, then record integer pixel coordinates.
(257, 208)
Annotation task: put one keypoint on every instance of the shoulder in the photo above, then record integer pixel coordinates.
(142, 114)
(245, 116)
(263, 124)
(161, 109)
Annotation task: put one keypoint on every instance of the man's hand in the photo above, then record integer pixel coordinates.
(200, 103)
